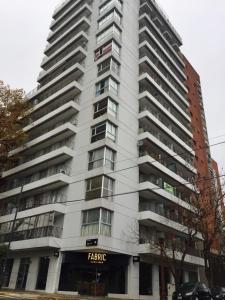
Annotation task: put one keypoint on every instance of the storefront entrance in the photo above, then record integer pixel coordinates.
(93, 274)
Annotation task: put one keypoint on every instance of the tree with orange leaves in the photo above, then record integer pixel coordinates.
(13, 111)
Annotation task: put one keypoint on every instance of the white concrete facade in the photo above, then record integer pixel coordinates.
(81, 106)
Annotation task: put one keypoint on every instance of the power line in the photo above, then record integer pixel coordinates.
(153, 161)
(137, 191)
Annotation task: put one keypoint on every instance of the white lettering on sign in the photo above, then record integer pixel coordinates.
(98, 258)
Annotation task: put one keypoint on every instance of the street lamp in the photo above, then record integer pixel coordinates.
(162, 269)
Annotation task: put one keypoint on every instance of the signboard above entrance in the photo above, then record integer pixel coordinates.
(97, 258)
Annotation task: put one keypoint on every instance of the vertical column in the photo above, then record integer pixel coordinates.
(32, 274)
(54, 273)
(155, 282)
(133, 279)
(15, 269)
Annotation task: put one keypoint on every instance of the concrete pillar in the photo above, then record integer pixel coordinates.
(133, 279)
(15, 269)
(155, 282)
(54, 273)
(32, 273)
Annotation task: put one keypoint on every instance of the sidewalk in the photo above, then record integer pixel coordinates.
(37, 296)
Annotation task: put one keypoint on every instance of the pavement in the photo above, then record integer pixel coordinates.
(15, 295)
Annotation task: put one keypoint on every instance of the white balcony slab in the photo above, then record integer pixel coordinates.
(151, 250)
(38, 243)
(148, 115)
(61, 113)
(49, 159)
(81, 35)
(83, 20)
(75, 68)
(56, 207)
(147, 159)
(60, 133)
(78, 52)
(147, 185)
(147, 95)
(146, 60)
(67, 20)
(152, 138)
(41, 185)
(146, 76)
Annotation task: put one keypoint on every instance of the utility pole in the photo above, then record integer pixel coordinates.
(2, 275)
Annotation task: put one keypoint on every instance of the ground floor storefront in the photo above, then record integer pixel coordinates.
(91, 273)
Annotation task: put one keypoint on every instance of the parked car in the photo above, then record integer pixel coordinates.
(192, 291)
(218, 293)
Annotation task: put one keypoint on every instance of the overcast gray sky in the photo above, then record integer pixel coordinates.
(201, 23)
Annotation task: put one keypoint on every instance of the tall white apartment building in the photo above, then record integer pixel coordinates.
(109, 154)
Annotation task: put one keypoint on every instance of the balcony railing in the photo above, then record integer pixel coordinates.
(165, 186)
(167, 163)
(168, 124)
(167, 143)
(35, 233)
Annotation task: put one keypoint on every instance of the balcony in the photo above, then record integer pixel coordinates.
(82, 25)
(69, 93)
(115, 4)
(151, 59)
(149, 48)
(72, 18)
(78, 55)
(45, 184)
(80, 40)
(149, 218)
(149, 123)
(153, 120)
(151, 105)
(167, 148)
(51, 136)
(149, 164)
(147, 68)
(52, 158)
(151, 152)
(61, 14)
(60, 82)
(155, 87)
(147, 101)
(162, 22)
(147, 22)
(145, 35)
(50, 120)
(43, 237)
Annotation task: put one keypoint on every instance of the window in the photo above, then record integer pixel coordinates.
(112, 15)
(111, 46)
(103, 130)
(110, 3)
(107, 32)
(107, 85)
(105, 106)
(107, 65)
(145, 279)
(101, 157)
(99, 187)
(96, 222)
